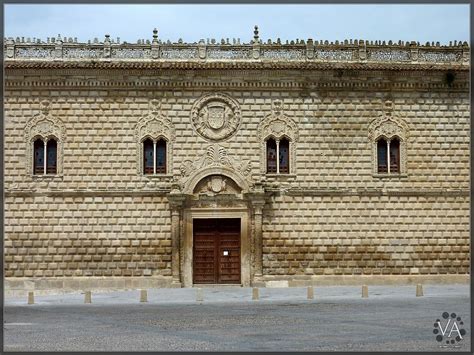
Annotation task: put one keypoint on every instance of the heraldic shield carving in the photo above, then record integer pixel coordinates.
(216, 117)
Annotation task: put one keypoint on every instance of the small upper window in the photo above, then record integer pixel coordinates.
(38, 157)
(394, 155)
(45, 156)
(161, 157)
(154, 157)
(271, 156)
(388, 156)
(51, 156)
(284, 156)
(278, 156)
(148, 157)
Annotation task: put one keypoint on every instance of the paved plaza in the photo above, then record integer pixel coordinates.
(392, 318)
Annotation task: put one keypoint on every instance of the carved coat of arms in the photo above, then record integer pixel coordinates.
(215, 117)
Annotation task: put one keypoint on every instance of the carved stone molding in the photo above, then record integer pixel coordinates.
(215, 161)
(216, 117)
(45, 127)
(388, 127)
(154, 126)
(277, 125)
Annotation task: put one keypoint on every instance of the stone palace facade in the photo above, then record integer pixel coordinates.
(162, 164)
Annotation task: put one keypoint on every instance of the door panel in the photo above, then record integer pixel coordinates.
(216, 252)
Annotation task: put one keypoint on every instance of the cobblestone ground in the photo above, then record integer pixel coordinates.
(338, 319)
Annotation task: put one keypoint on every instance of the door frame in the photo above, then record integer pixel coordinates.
(187, 242)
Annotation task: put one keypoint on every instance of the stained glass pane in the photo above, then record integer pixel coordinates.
(271, 156)
(38, 157)
(382, 156)
(148, 157)
(51, 156)
(395, 156)
(284, 156)
(161, 157)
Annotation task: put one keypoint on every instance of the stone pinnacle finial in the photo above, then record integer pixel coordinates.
(255, 34)
(155, 35)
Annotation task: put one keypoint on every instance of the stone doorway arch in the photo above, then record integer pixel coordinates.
(217, 193)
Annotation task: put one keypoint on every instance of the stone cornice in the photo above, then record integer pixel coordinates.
(210, 84)
(234, 64)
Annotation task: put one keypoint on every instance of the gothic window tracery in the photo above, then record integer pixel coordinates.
(44, 136)
(154, 134)
(279, 135)
(388, 136)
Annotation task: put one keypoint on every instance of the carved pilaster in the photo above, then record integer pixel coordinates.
(176, 200)
(465, 52)
(256, 44)
(414, 51)
(107, 47)
(362, 50)
(202, 49)
(10, 48)
(58, 49)
(155, 47)
(310, 49)
(257, 200)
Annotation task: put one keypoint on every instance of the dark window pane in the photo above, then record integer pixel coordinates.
(51, 156)
(382, 156)
(161, 157)
(394, 156)
(148, 157)
(284, 156)
(271, 156)
(38, 157)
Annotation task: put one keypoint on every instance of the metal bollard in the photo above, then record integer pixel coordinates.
(199, 295)
(310, 292)
(419, 290)
(255, 294)
(31, 297)
(143, 296)
(88, 297)
(365, 291)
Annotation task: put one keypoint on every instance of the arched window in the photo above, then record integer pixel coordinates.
(38, 161)
(161, 157)
(51, 156)
(154, 157)
(284, 156)
(271, 156)
(148, 157)
(388, 155)
(394, 155)
(382, 156)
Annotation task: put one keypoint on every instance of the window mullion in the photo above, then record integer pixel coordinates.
(45, 156)
(278, 155)
(154, 157)
(388, 156)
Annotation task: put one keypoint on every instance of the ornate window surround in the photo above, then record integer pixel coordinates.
(155, 126)
(388, 127)
(277, 125)
(45, 127)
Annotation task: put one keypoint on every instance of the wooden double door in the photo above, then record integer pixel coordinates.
(216, 251)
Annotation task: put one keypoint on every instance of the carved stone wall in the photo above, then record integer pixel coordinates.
(333, 217)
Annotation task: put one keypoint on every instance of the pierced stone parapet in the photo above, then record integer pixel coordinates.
(66, 49)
